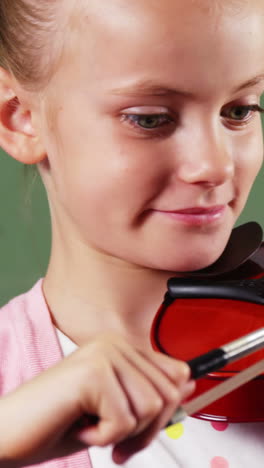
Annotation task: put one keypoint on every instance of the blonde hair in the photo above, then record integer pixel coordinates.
(24, 50)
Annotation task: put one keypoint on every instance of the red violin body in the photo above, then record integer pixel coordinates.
(186, 327)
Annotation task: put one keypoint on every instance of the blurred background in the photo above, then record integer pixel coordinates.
(25, 225)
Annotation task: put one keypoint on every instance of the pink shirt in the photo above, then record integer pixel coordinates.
(28, 346)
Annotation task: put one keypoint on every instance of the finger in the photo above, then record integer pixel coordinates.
(174, 369)
(149, 396)
(125, 449)
(188, 389)
(170, 385)
(109, 402)
(145, 400)
(130, 446)
(177, 371)
(126, 403)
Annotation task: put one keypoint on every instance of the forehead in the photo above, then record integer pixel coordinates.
(125, 12)
(115, 39)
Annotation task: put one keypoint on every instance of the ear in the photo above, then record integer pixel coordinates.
(17, 134)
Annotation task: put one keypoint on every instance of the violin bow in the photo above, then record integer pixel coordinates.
(220, 390)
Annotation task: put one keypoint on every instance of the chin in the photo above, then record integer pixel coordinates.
(193, 261)
(200, 254)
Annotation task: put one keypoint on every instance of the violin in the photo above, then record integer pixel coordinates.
(208, 308)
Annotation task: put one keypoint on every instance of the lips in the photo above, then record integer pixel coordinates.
(195, 216)
(199, 210)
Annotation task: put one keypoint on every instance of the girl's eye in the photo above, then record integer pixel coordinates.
(159, 124)
(147, 122)
(241, 113)
(150, 121)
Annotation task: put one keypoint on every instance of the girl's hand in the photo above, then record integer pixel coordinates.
(132, 393)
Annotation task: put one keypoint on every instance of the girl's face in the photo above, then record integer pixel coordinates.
(153, 138)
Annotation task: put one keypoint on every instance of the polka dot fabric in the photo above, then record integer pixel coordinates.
(202, 444)
(219, 462)
(176, 431)
(220, 426)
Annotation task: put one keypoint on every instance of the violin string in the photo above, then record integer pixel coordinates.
(220, 390)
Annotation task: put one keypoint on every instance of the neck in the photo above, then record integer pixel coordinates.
(91, 293)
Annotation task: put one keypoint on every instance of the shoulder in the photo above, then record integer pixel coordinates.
(28, 342)
(18, 310)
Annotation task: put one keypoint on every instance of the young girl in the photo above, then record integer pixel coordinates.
(143, 120)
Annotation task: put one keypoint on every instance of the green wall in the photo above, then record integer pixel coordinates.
(25, 227)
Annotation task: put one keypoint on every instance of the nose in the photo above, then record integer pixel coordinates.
(206, 157)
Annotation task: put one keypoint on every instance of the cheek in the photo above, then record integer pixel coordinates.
(107, 189)
(117, 191)
(102, 168)
(250, 159)
(122, 173)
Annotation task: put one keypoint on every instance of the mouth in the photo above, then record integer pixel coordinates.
(197, 215)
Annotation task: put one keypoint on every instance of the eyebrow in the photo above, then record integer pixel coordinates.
(147, 87)
(250, 83)
(150, 88)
